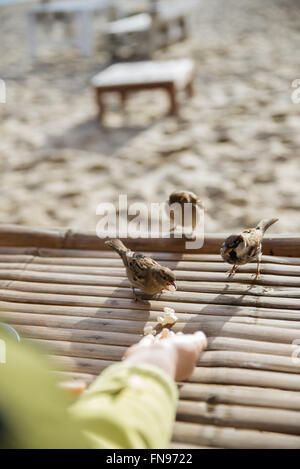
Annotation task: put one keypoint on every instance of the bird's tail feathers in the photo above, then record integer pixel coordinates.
(266, 223)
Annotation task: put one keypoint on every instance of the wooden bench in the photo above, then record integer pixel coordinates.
(138, 35)
(130, 37)
(170, 21)
(66, 292)
(125, 78)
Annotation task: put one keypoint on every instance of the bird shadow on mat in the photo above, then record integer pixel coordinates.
(120, 314)
(212, 318)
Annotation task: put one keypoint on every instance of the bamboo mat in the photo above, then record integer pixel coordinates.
(66, 292)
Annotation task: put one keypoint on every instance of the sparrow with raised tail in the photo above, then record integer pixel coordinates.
(182, 198)
(143, 272)
(246, 246)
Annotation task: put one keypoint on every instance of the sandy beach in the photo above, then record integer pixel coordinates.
(236, 143)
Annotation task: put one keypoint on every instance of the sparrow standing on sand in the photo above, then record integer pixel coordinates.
(246, 246)
(143, 272)
(182, 198)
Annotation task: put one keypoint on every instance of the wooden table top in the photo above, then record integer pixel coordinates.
(135, 23)
(66, 6)
(146, 72)
(66, 292)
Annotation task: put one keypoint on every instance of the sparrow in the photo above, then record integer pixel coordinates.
(246, 246)
(182, 198)
(143, 272)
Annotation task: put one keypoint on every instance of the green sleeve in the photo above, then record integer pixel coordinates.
(33, 410)
(125, 407)
(128, 407)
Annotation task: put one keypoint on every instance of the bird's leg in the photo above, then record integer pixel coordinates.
(172, 226)
(233, 270)
(157, 295)
(188, 224)
(192, 234)
(172, 223)
(138, 297)
(257, 273)
(144, 298)
(134, 294)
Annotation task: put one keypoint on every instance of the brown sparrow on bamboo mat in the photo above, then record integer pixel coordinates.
(143, 272)
(182, 198)
(246, 246)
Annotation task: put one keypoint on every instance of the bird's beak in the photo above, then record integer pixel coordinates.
(171, 286)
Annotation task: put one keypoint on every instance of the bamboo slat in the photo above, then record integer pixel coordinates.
(234, 438)
(81, 365)
(19, 236)
(243, 377)
(229, 359)
(69, 376)
(141, 311)
(252, 346)
(189, 266)
(211, 325)
(67, 294)
(123, 282)
(280, 318)
(81, 350)
(157, 255)
(179, 445)
(273, 364)
(93, 294)
(193, 276)
(219, 343)
(259, 418)
(240, 395)
(73, 335)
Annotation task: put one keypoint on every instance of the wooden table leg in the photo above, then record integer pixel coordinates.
(164, 35)
(183, 28)
(171, 89)
(123, 96)
(100, 104)
(112, 46)
(31, 34)
(84, 32)
(190, 88)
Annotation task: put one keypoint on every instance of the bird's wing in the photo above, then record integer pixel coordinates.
(140, 271)
(141, 263)
(254, 238)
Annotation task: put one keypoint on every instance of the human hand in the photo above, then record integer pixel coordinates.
(175, 354)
